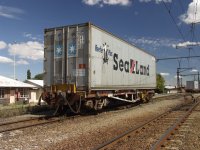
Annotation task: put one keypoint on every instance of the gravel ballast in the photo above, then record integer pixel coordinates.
(85, 132)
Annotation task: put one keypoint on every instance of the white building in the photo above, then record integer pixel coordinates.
(171, 89)
(37, 91)
(13, 91)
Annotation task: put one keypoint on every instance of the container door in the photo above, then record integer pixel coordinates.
(48, 58)
(77, 56)
(58, 57)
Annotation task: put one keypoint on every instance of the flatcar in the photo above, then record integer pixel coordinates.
(85, 65)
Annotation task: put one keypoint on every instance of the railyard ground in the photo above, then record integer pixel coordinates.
(87, 132)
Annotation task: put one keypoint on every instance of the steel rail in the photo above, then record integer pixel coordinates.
(173, 129)
(127, 133)
(117, 138)
(26, 120)
(29, 125)
(42, 122)
(57, 120)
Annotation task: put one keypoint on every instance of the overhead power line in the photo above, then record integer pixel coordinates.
(181, 4)
(173, 19)
(159, 59)
(192, 74)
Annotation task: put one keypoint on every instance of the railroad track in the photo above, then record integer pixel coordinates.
(153, 133)
(34, 121)
(37, 121)
(26, 123)
(172, 138)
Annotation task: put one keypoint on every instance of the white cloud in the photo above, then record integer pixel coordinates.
(152, 42)
(189, 17)
(27, 35)
(164, 74)
(29, 50)
(22, 62)
(10, 12)
(30, 36)
(5, 60)
(107, 2)
(185, 44)
(156, 1)
(194, 70)
(117, 2)
(91, 2)
(146, 1)
(3, 45)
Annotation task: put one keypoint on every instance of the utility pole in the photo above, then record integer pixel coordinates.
(178, 78)
(14, 64)
(198, 80)
(179, 68)
(178, 74)
(14, 67)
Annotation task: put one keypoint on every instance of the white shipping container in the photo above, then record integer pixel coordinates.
(192, 85)
(95, 59)
(125, 65)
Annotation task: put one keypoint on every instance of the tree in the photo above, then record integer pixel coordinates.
(160, 83)
(39, 76)
(28, 74)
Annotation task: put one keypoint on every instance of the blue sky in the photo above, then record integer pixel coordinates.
(145, 23)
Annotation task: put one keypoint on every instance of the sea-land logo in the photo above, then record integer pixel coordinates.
(130, 66)
(106, 52)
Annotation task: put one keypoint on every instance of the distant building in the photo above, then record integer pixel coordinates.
(171, 89)
(14, 91)
(37, 91)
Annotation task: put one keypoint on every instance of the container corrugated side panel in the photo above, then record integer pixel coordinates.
(103, 74)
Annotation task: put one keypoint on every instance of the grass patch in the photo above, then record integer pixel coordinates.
(20, 109)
